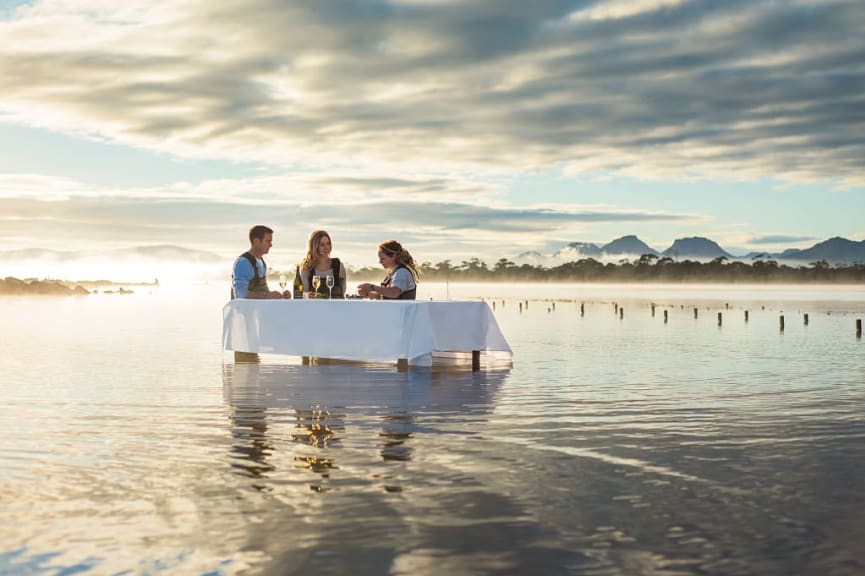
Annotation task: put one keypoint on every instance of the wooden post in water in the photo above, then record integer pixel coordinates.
(719, 319)
(746, 316)
(615, 307)
(527, 304)
(665, 316)
(494, 305)
(476, 360)
(582, 308)
(402, 365)
(781, 323)
(858, 328)
(521, 307)
(621, 313)
(695, 313)
(806, 319)
(653, 310)
(554, 305)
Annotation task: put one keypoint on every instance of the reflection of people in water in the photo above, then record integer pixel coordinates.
(252, 447)
(303, 413)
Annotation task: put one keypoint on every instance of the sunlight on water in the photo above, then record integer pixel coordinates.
(615, 444)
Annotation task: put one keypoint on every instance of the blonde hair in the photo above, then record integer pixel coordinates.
(401, 256)
(312, 248)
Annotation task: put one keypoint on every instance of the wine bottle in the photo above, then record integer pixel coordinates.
(298, 284)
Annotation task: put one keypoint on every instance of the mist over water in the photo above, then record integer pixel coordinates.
(615, 443)
(95, 267)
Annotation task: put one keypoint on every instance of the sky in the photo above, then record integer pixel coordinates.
(477, 128)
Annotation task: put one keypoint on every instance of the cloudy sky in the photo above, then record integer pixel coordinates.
(462, 128)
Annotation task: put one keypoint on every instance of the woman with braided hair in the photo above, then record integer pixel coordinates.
(402, 274)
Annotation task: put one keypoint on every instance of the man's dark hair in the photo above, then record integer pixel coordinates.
(258, 232)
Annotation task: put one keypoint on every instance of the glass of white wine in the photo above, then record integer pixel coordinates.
(329, 282)
(283, 280)
(316, 282)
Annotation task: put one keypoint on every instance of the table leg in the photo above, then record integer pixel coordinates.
(476, 360)
(246, 358)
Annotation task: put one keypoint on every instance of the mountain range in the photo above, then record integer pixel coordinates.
(834, 251)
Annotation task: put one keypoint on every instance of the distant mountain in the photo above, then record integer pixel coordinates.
(695, 248)
(628, 245)
(577, 251)
(531, 257)
(834, 250)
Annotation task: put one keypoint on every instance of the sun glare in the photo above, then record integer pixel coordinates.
(131, 271)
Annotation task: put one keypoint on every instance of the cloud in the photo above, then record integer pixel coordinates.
(660, 89)
(435, 230)
(781, 239)
(38, 186)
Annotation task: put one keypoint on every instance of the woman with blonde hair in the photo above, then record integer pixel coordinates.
(318, 262)
(402, 274)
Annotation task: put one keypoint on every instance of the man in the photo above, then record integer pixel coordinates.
(249, 279)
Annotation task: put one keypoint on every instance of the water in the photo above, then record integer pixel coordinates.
(131, 444)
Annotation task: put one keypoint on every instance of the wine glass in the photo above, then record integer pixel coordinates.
(316, 282)
(329, 282)
(283, 280)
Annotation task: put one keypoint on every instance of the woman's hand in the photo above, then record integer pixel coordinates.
(363, 290)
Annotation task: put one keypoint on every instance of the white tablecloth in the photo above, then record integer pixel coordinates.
(363, 330)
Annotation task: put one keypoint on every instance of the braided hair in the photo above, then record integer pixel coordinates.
(401, 256)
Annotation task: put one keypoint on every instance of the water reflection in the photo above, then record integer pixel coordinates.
(397, 430)
(252, 447)
(319, 418)
(318, 428)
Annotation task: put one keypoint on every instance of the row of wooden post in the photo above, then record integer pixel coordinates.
(621, 312)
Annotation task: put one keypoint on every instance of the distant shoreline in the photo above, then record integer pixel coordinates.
(11, 286)
(647, 269)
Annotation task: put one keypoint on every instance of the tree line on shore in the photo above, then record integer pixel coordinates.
(13, 286)
(647, 268)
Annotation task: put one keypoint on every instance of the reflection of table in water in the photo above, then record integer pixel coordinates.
(286, 417)
(362, 330)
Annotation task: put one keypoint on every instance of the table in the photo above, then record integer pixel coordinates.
(361, 330)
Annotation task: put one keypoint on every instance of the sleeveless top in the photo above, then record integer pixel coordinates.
(405, 294)
(322, 287)
(258, 283)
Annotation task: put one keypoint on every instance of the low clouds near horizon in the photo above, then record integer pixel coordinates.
(434, 230)
(654, 89)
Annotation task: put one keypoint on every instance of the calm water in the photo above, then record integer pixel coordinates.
(131, 444)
